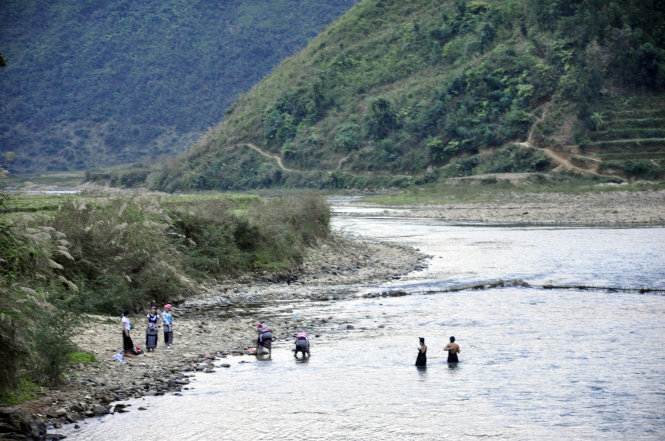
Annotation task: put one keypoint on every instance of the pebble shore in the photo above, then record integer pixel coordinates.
(206, 328)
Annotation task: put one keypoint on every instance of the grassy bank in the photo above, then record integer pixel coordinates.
(66, 255)
(487, 188)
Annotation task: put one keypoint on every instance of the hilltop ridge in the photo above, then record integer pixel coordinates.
(398, 93)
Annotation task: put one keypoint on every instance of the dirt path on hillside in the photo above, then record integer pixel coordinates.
(564, 162)
(278, 159)
(270, 155)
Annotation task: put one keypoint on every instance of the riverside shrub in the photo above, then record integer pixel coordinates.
(103, 255)
(29, 347)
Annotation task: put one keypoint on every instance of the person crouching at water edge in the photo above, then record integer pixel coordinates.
(421, 360)
(264, 341)
(167, 322)
(302, 345)
(152, 330)
(453, 349)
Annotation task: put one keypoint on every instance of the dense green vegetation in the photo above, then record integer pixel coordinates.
(398, 92)
(65, 255)
(92, 83)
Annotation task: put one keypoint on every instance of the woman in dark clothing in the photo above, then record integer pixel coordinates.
(151, 332)
(453, 349)
(127, 343)
(422, 353)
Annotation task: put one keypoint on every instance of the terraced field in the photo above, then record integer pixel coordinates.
(629, 142)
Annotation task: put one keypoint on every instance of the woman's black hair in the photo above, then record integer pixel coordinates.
(422, 339)
(125, 312)
(452, 339)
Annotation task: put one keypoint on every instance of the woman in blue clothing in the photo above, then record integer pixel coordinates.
(167, 322)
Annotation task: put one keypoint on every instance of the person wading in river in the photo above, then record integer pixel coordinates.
(453, 349)
(422, 353)
(302, 345)
(264, 339)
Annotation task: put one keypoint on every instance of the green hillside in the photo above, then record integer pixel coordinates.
(91, 83)
(401, 92)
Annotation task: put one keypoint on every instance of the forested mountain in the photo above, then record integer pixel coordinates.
(399, 92)
(92, 83)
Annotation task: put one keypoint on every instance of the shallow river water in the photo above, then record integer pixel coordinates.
(535, 363)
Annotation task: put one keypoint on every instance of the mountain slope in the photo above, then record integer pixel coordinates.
(95, 83)
(397, 92)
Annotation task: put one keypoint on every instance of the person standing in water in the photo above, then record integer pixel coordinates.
(453, 349)
(422, 353)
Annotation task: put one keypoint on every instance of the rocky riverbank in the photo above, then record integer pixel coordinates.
(220, 321)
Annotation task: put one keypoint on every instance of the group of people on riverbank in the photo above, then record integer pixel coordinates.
(452, 348)
(152, 330)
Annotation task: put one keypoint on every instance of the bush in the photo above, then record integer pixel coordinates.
(380, 119)
(348, 136)
(52, 345)
(218, 240)
(634, 168)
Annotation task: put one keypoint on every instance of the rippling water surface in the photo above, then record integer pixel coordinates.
(535, 364)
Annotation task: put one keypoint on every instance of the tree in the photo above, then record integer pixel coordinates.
(380, 119)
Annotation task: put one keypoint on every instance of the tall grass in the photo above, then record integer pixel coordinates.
(218, 240)
(107, 254)
(121, 256)
(33, 343)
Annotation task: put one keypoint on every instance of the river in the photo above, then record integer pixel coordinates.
(556, 364)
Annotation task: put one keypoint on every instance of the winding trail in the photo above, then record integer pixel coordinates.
(270, 155)
(278, 159)
(563, 162)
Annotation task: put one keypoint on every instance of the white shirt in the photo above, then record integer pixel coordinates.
(125, 321)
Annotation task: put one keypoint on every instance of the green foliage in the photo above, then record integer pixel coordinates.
(380, 119)
(348, 136)
(52, 346)
(81, 357)
(104, 255)
(511, 159)
(22, 391)
(93, 84)
(34, 338)
(395, 89)
(218, 241)
(635, 168)
(121, 256)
